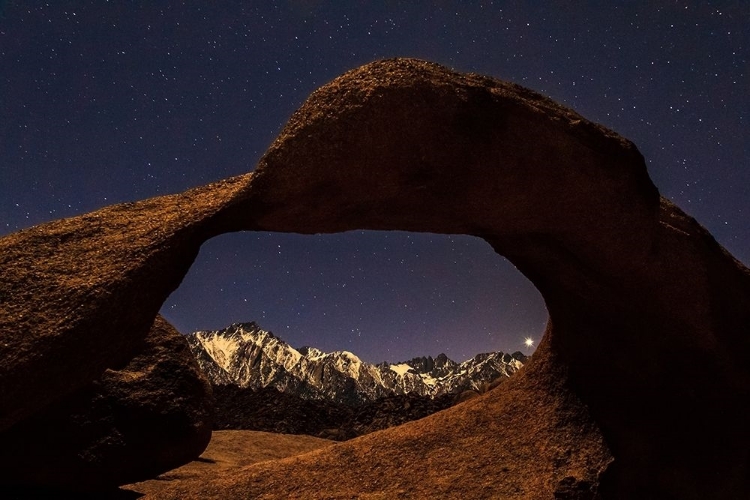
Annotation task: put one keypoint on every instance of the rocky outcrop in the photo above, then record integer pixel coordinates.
(270, 410)
(637, 389)
(132, 424)
(638, 293)
(439, 366)
(79, 295)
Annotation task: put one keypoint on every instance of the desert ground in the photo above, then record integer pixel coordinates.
(231, 450)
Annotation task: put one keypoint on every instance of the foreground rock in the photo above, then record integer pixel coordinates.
(526, 439)
(132, 424)
(639, 294)
(637, 390)
(79, 295)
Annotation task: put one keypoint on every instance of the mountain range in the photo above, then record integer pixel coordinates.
(247, 356)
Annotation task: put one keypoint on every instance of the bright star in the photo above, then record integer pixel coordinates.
(528, 341)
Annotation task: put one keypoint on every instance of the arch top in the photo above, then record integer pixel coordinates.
(405, 144)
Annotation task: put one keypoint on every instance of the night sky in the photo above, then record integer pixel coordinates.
(104, 102)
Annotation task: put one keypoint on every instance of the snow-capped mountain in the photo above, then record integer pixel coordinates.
(247, 356)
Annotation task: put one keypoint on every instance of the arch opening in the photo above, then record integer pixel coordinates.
(383, 295)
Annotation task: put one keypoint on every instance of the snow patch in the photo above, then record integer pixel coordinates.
(348, 363)
(314, 354)
(401, 369)
(352, 357)
(221, 349)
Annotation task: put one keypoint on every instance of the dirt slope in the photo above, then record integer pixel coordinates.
(530, 438)
(228, 451)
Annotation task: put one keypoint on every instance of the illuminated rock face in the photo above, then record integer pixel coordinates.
(649, 316)
(640, 295)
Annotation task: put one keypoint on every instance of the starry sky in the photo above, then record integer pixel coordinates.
(104, 102)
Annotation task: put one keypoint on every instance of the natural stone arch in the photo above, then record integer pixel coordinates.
(638, 293)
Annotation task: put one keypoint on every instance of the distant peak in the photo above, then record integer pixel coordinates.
(518, 355)
(347, 354)
(311, 352)
(249, 325)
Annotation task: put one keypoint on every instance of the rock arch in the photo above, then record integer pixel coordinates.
(647, 344)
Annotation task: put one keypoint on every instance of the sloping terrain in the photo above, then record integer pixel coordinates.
(530, 438)
(231, 450)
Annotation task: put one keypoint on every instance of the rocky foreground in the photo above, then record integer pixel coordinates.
(508, 444)
(638, 389)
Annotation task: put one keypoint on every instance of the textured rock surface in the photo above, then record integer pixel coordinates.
(649, 315)
(517, 442)
(79, 295)
(132, 424)
(638, 387)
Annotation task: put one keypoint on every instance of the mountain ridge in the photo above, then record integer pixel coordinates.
(245, 355)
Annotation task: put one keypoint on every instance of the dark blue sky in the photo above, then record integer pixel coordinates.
(104, 101)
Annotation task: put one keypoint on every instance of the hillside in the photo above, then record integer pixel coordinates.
(229, 451)
(529, 438)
